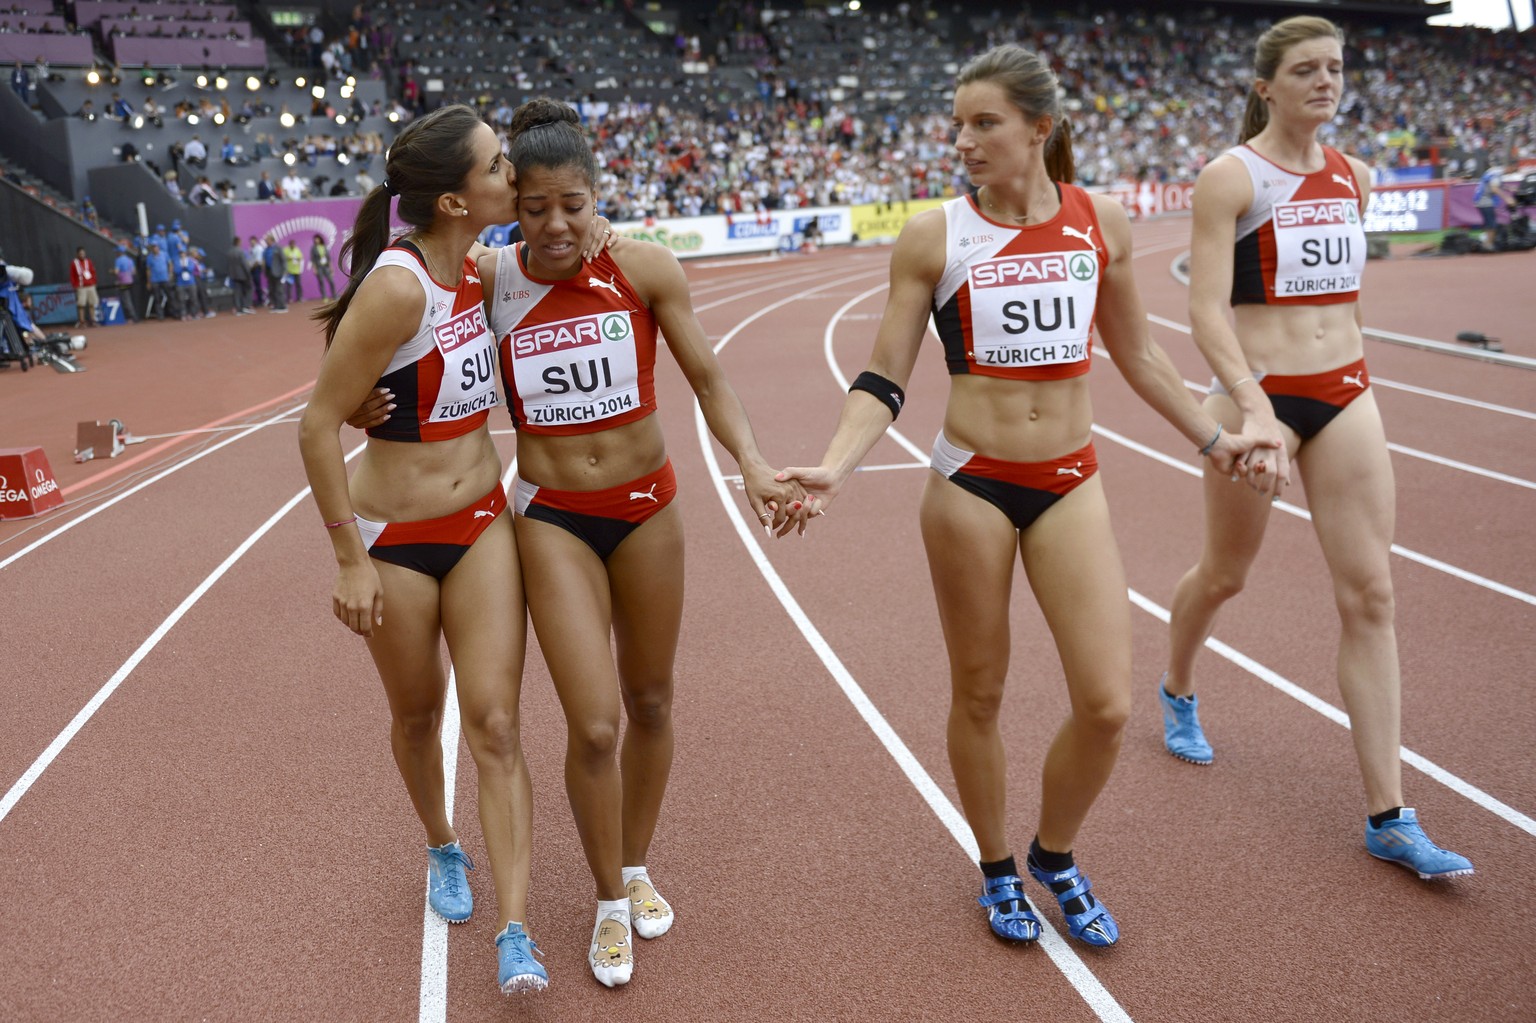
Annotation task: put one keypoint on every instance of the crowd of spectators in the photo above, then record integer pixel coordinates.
(755, 106)
(763, 107)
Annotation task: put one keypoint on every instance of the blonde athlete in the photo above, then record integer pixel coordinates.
(1278, 240)
(1016, 277)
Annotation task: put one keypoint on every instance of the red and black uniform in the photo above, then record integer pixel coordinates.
(1018, 302)
(579, 356)
(444, 377)
(1302, 242)
(444, 382)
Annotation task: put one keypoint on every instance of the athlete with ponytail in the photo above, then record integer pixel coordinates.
(1016, 276)
(1278, 241)
(423, 547)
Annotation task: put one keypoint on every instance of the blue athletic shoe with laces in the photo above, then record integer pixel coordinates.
(1093, 926)
(1182, 733)
(1007, 911)
(516, 968)
(1403, 842)
(447, 885)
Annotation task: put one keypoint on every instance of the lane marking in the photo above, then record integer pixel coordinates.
(1339, 717)
(1180, 274)
(433, 1004)
(1401, 449)
(1301, 513)
(1253, 667)
(1082, 979)
(1457, 399)
(32, 773)
(141, 456)
(71, 524)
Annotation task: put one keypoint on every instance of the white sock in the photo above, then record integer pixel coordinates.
(648, 911)
(612, 955)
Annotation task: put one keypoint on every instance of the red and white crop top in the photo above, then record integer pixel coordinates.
(1302, 241)
(1018, 302)
(578, 355)
(444, 377)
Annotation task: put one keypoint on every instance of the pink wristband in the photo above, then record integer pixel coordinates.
(343, 522)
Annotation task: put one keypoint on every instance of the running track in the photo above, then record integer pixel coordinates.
(200, 818)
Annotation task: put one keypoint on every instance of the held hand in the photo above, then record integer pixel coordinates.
(1265, 465)
(374, 411)
(358, 599)
(600, 236)
(821, 486)
(775, 503)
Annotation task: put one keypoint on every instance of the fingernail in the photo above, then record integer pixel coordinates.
(796, 506)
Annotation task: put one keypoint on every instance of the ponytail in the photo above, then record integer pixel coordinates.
(1059, 165)
(1032, 87)
(1255, 116)
(431, 156)
(370, 236)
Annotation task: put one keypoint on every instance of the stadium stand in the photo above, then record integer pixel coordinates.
(707, 108)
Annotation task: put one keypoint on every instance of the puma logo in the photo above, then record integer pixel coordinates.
(1076, 470)
(1070, 231)
(1358, 380)
(485, 514)
(610, 285)
(471, 278)
(635, 495)
(1348, 183)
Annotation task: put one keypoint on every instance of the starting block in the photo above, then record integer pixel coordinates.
(99, 440)
(27, 486)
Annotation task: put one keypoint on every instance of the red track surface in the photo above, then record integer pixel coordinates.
(225, 837)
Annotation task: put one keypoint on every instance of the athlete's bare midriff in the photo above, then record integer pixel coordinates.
(1018, 420)
(397, 481)
(592, 461)
(1295, 340)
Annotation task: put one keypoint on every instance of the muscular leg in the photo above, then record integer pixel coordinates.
(646, 577)
(970, 547)
(407, 649)
(484, 623)
(568, 598)
(1074, 570)
(1235, 518)
(1348, 475)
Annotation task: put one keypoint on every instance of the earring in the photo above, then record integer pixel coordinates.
(463, 213)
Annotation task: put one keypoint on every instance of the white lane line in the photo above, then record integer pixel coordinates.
(432, 1003)
(1337, 716)
(72, 523)
(1088, 986)
(1181, 274)
(32, 773)
(1450, 463)
(1301, 513)
(1433, 770)
(1426, 392)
